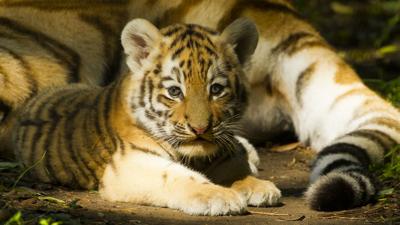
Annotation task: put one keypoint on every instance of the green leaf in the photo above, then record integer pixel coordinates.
(387, 50)
(386, 192)
(52, 199)
(48, 221)
(8, 166)
(16, 219)
(340, 8)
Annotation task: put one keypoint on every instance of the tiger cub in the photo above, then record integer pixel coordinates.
(149, 137)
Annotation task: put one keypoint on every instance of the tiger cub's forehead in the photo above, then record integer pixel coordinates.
(190, 47)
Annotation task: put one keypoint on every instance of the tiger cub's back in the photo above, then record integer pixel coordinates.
(63, 135)
(53, 44)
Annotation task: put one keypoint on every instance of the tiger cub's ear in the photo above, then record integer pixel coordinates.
(139, 37)
(242, 34)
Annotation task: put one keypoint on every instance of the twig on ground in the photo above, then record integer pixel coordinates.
(268, 213)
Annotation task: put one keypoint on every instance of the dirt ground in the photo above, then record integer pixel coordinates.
(285, 166)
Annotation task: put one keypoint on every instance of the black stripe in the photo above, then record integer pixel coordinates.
(241, 93)
(143, 89)
(94, 119)
(173, 30)
(47, 145)
(243, 5)
(167, 102)
(121, 145)
(61, 52)
(290, 42)
(358, 152)
(63, 5)
(177, 52)
(10, 36)
(145, 150)
(307, 45)
(210, 51)
(5, 109)
(302, 82)
(179, 39)
(210, 42)
(150, 115)
(4, 75)
(111, 98)
(194, 34)
(150, 98)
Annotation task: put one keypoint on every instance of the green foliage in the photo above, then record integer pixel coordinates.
(391, 170)
(389, 89)
(16, 219)
(389, 174)
(48, 221)
(6, 166)
(393, 92)
(366, 32)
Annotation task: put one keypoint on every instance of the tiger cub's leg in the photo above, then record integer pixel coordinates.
(258, 192)
(144, 178)
(238, 170)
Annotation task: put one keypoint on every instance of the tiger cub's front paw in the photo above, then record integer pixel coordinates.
(258, 192)
(214, 200)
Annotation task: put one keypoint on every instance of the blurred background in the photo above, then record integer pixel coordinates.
(366, 33)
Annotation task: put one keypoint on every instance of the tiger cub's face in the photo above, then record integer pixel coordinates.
(188, 83)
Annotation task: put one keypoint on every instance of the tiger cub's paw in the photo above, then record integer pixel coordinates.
(214, 200)
(258, 192)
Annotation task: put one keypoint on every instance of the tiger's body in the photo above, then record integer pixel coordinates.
(297, 82)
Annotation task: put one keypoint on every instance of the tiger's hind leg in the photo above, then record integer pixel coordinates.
(348, 125)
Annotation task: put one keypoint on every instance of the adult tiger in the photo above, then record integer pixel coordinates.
(297, 82)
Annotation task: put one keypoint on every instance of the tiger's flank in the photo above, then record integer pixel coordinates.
(165, 134)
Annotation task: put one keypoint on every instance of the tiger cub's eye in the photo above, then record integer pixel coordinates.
(216, 89)
(174, 91)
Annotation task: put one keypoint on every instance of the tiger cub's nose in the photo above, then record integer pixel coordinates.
(199, 130)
